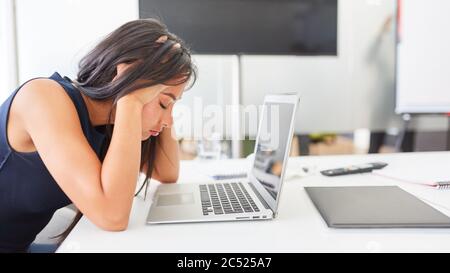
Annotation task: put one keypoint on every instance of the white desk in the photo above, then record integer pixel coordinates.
(298, 227)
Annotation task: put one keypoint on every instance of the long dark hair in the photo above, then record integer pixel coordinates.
(151, 62)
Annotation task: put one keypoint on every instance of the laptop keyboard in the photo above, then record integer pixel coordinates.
(226, 198)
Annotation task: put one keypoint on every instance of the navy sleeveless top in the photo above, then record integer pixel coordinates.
(29, 195)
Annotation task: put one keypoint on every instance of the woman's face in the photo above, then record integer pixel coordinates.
(157, 114)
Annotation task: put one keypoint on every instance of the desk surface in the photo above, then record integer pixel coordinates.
(298, 227)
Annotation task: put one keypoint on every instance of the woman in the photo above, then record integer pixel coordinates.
(85, 141)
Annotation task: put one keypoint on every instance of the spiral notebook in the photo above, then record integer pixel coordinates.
(374, 207)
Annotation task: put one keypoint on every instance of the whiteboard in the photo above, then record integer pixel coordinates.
(423, 57)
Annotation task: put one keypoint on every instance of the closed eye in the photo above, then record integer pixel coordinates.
(162, 106)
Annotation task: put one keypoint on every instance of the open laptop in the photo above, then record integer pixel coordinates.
(253, 198)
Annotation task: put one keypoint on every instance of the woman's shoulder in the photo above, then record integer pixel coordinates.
(40, 87)
(44, 92)
(43, 96)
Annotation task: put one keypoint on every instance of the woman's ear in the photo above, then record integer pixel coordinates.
(120, 69)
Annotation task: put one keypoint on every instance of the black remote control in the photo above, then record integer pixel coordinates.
(363, 168)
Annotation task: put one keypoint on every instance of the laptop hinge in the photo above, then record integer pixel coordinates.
(259, 196)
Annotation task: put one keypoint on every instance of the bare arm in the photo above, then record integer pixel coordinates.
(167, 162)
(103, 192)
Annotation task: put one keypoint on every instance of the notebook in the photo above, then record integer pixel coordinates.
(374, 207)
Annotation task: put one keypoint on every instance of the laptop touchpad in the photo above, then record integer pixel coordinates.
(175, 199)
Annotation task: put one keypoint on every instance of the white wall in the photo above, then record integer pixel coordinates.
(52, 35)
(343, 93)
(338, 93)
(8, 68)
(354, 89)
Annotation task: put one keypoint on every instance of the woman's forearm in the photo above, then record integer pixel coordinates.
(120, 168)
(167, 163)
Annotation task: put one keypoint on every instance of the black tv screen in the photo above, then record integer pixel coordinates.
(263, 27)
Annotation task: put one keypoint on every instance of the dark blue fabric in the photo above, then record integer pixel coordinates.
(29, 195)
(42, 248)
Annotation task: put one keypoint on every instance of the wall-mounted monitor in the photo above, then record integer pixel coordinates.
(260, 27)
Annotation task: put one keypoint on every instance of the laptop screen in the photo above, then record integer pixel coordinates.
(272, 147)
